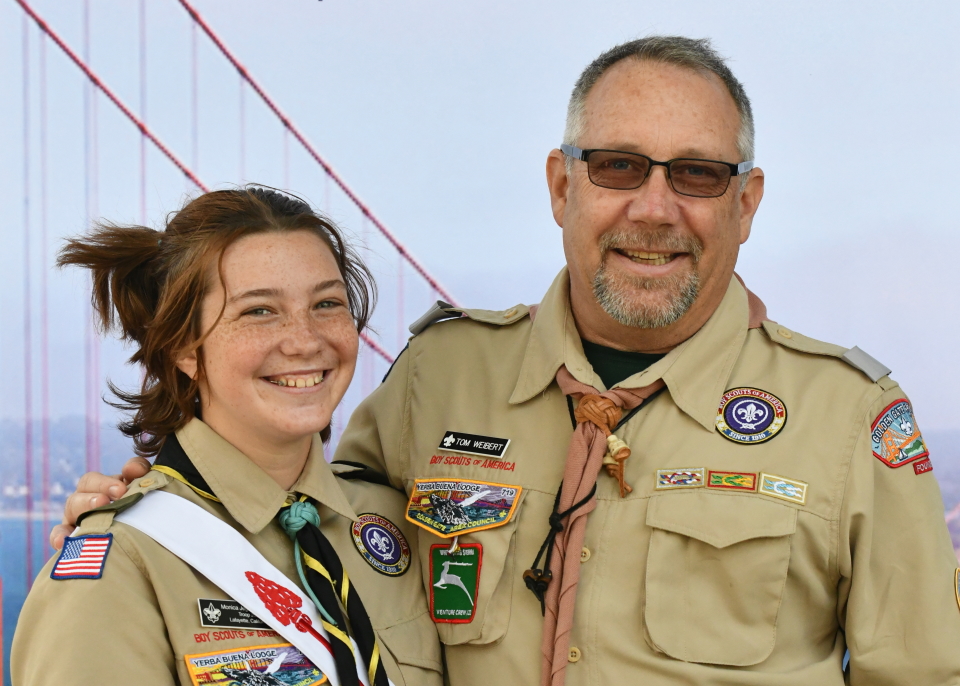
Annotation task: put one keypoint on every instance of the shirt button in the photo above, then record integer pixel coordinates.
(783, 332)
(146, 482)
(574, 655)
(509, 313)
(584, 554)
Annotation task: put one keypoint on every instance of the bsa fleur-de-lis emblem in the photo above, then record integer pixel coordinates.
(750, 414)
(382, 543)
(448, 440)
(211, 613)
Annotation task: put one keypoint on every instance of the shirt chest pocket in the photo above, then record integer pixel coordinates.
(716, 569)
(469, 592)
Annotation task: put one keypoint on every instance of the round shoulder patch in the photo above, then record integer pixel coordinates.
(749, 415)
(381, 544)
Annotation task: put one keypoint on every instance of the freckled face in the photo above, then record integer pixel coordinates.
(280, 359)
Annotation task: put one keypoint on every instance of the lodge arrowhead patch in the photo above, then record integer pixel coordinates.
(450, 507)
(472, 444)
(895, 436)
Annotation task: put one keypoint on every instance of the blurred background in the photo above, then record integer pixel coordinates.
(422, 128)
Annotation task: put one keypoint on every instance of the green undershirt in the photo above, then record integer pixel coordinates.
(612, 365)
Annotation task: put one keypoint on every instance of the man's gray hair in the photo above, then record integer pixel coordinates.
(695, 54)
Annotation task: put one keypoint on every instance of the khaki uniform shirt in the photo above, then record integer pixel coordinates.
(140, 620)
(741, 582)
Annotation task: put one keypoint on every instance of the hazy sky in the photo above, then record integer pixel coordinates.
(441, 114)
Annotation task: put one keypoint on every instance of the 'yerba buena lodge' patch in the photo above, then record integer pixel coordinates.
(279, 663)
(736, 481)
(381, 544)
(749, 415)
(895, 436)
(454, 580)
(783, 488)
(689, 477)
(450, 507)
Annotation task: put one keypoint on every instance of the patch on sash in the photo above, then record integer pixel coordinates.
(783, 488)
(471, 444)
(275, 664)
(450, 507)
(82, 557)
(895, 436)
(737, 481)
(454, 580)
(381, 544)
(923, 466)
(749, 415)
(679, 478)
(228, 613)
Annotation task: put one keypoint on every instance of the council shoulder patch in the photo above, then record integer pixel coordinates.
(82, 557)
(895, 436)
(668, 479)
(451, 507)
(783, 488)
(454, 580)
(381, 544)
(735, 481)
(749, 415)
(279, 663)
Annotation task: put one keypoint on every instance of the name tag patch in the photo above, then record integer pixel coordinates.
(679, 478)
(471, 444)
(381, 544)
(749, 415)
(454, 580)
(280, 663)
(450, 507)
(229, 613)
(783, 488)
(895, 436)
(82, 557)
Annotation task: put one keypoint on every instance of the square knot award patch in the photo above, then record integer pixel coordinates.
(450, 507)
(895, 436)
(749, 415)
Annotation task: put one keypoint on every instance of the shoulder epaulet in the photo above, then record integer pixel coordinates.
(441, 311)
(357, 471)
(856, 358)
(151, 482)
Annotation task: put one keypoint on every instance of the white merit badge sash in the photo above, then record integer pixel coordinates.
(220, 553)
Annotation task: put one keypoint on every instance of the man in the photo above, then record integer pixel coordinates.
(764, 503)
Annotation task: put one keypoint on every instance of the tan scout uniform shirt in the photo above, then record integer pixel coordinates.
(704, 586)
(136, 624)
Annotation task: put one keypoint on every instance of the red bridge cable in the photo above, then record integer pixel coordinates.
(27, 308)
(289, 125)
(139, 123)
(376, 347)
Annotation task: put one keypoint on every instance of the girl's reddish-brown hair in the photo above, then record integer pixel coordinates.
(149, 285)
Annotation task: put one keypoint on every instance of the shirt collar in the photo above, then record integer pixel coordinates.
(250, 495)
(696, 371)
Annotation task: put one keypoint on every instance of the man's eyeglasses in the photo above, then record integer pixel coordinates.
(628, 170)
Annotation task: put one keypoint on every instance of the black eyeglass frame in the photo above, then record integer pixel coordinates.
(583, 155)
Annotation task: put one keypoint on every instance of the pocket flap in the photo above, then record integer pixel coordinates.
(718, 518)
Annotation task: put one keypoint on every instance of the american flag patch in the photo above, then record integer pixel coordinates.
(82, 557)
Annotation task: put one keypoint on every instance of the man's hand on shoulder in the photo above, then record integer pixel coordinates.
(95, 490)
